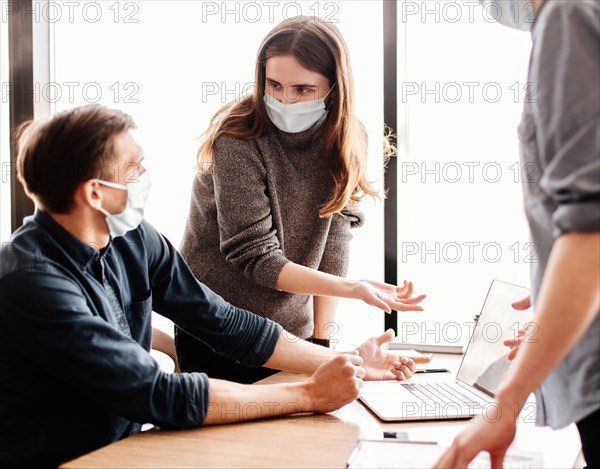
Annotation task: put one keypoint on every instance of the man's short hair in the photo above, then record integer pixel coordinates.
(56, 155)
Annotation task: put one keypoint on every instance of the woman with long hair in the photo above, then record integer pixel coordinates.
(280, 176)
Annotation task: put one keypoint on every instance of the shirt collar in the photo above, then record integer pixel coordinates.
(81, 252)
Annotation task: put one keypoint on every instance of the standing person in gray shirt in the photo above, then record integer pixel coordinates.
(280, 175)
(560, 138)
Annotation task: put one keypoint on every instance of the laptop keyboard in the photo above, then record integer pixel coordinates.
(440, 393)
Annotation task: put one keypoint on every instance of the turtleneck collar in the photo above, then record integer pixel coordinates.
(299, 139)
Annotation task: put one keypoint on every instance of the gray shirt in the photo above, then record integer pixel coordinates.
(560, 151)
(258, 209)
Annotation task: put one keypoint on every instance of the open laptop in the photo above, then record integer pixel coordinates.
(481, 372)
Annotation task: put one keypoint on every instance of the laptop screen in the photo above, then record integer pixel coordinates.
(484, 364)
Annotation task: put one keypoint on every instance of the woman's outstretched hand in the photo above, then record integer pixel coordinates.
(388, 297)
(380, 364)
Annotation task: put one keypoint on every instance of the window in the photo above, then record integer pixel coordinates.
(460, 217)
(461, 83)
(5, 166)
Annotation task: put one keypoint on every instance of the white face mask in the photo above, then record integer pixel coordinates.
(137, 196)
(516, 14)
(297, 117)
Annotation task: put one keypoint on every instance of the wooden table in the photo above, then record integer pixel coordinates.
(307, 441)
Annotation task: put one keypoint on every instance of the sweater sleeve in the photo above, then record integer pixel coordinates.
(337, 248)
(248, 237)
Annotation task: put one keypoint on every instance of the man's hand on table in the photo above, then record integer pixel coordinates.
(335, 383)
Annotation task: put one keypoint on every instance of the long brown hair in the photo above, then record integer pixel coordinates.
(318, 45)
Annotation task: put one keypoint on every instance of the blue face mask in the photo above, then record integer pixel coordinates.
(297, 117)
(516, 14)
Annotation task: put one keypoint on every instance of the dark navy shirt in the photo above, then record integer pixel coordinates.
(75, 333)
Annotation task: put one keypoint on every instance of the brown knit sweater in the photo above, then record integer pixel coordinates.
(257, 210)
